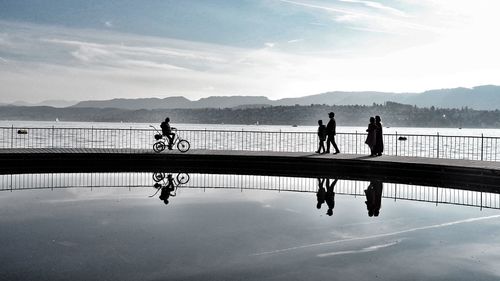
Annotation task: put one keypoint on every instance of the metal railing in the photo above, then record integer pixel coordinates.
(429, 194)
(431, 146)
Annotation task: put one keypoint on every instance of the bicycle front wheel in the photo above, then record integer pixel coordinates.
(159, 146)
(183, 145)
(182, 178)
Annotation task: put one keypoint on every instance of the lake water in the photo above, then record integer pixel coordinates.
(342, 129)
(231, 227)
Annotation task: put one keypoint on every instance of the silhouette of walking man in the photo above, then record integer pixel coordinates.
(330, 196)
(331, 128)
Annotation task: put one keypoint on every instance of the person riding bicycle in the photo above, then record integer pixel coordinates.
(166, 190)
(166, 130)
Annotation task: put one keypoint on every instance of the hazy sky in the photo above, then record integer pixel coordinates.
(100, 49)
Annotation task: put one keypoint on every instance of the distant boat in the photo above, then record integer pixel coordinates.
(57, 119)
(294, 125)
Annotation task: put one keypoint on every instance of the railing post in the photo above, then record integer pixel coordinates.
(397, 143)
(205, 144)
(242, 139)
(130, 139)
(92, 137)
(437, 153)
(279, 141)
(52, 139)
(12, 136)
(482, 146)
(356, 141)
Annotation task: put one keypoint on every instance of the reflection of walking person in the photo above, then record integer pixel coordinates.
(374, 198)
(330, 196)
(331, 131)
(379, 143)
(371, 139)
(321, 194)
(321, 136)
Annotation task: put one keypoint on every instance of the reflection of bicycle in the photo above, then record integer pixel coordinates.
(160, 145)
(182, 178)
(168, 185)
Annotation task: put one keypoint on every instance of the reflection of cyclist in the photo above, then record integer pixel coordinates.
(166, 190)
(166, 130)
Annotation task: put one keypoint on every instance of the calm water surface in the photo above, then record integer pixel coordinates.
(238, 228)
(313, 128)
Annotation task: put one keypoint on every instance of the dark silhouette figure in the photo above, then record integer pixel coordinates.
(371, 139)
(321, 194)
(331, 132)
(321, 136)
(330, 196)
(167, 190)
(166, 130)
(374, 198)
(379, 143)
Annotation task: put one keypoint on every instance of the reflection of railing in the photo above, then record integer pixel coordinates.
(433, 146)
(435, 195)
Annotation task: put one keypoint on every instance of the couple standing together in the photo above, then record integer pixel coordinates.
(374, 140)
(327, 133)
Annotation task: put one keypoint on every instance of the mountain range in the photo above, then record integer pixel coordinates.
(485, 97)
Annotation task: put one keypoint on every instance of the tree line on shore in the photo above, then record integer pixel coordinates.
(393, 114)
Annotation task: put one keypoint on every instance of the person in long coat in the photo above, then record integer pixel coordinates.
(379, 140)
(371, 139)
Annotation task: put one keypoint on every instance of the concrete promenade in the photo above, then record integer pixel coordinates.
(411, 170)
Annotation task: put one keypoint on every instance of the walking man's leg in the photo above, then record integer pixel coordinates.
(335, 145)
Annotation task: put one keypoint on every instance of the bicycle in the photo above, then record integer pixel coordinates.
(182, 178)
(160, 145)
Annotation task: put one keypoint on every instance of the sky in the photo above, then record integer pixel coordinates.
(103, 49)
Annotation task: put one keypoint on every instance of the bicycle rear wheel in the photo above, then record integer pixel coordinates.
(183, 145)
(158, 176)
(182, 178)
(159, 146)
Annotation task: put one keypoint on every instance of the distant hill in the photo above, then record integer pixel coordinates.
(176, 102)
(393, 114)
(482, 98)
(52, 103)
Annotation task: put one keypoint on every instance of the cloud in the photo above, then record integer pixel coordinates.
(379, 6)
(376, 50)
(395, 20)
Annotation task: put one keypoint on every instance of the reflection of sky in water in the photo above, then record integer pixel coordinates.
(220, 234)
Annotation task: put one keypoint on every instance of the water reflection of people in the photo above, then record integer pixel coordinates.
(374, 198)
(330, 196)
(321, 194)
(168, 189)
